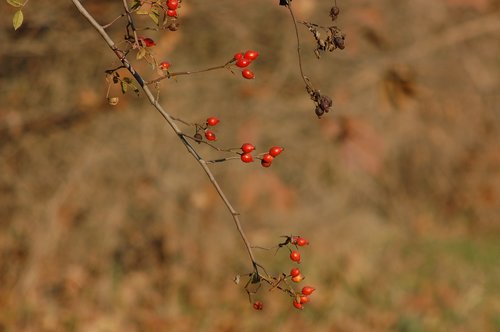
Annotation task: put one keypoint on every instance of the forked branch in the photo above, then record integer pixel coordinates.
(121, 56)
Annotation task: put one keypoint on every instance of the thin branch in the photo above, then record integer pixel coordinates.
(304, 78)
(112, 22)
(130, 23)
(222, 160)
(169, 75)
(206, 143)
(169, 120)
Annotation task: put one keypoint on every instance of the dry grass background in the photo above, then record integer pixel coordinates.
(107, 224)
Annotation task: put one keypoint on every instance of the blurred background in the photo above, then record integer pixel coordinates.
(107, 224)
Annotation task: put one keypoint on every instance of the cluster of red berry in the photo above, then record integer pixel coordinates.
(172, 6)
(295, 274)
(243, 60)
(300, 298)
(211, 121)
(266, 159)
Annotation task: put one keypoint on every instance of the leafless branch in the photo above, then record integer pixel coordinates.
(100, 29)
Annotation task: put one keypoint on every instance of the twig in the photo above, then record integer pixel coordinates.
(169, 75)
(222, 160)
(304, 78)
(130, 23)
(112, 22)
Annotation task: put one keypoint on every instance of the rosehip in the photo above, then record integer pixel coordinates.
(298, 305)
(295, 272)
(212, 121)
(172, 13)
(295, 256)
(172, 4)
(242, 63)
(298, 278)
(248, 74)
(246, 158)
(265, 163)
(303, 299)
(267, 158)
(238, 56)
(308, 290)
(257, 305)
(247, 147)
(275, 150)
(300, 241)
(210, 135)
(164, 65)
(251, 55)
(148, 42)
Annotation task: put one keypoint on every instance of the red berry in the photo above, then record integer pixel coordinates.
(308, 290)
(275, 150)
(148, 42)
(238, 56)
(242, 63)
(267, 158)
(300, 241)
(265, 163)
(251, 55)
(210, 135)
(295, 272)
(247, 147)
(303, 299)
(298, 305)
(246, 158)
(172, 13)
(257, 305)
(212, 121)
(298, 278)
(295, 256)
(248, 74)
(172, 4)
(164, 65)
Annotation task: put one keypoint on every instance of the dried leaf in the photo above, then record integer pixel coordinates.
(141, 53)
(17, 20)
(154, 17)
(15, 3)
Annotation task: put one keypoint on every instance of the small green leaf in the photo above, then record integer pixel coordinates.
(124, 87)
(141, 54)
(135, 4)
(154, 18)
(127, 80)
(136, 90)
(17, 20)
(15, 3)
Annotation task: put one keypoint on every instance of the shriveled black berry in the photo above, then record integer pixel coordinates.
(325, 103)
(334, 12)
(198, 137)
(174, 26)
(319, 111)
(339, 42)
